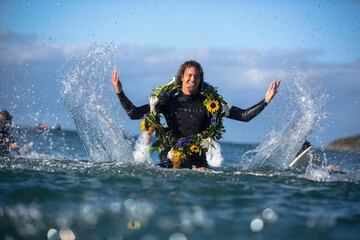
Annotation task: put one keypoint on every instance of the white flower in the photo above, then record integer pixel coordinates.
(153, 100)
(226, 108)
(206, 143)
(170, 154)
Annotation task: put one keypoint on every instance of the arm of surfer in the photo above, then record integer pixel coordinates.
(246, 115)
(249, 113)
(132, 111)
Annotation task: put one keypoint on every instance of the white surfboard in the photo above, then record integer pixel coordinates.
(303, 159)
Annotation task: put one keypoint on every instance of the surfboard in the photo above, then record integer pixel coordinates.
(302, 160)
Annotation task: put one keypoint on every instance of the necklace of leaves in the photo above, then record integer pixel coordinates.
(216, 108)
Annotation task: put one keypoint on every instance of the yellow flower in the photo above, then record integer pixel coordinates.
(143, 125)
(212, 105)
(194, 149)
(177, 159)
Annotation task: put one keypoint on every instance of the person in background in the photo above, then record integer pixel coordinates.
(7, 142)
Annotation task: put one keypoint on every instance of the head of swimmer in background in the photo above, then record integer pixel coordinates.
(5, 119)
(191, 77)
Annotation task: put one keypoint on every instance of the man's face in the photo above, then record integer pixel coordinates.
(190, 81)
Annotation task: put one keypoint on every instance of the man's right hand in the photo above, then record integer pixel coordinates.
(115, 80)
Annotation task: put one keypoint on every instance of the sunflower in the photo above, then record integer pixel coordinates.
(177, 159)
(194, 149)
(144, 125)
(212, 105)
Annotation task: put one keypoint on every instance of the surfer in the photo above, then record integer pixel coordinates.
(7, 142)
(193, 111)
(332, 167)
(306, 144)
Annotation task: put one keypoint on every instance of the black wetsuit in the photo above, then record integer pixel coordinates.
(5, 140)
(186, 115)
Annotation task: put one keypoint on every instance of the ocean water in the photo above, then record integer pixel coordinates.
(98, 182)
(60, 190)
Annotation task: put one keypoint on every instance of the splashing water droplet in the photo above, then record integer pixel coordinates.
(90, 105)
(300, 116)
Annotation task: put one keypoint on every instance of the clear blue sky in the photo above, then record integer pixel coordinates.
(250, 39)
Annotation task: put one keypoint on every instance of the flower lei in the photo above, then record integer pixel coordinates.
(196, 143)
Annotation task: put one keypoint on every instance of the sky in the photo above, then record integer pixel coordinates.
(242, 46)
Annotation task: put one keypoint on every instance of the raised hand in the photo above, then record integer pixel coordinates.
(271, 92)
(115, 80)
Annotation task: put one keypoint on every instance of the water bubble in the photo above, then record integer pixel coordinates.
(147, 182)
(186, 220)
(129, 204)
(177, 236)
(199, 215)
(270, 215)
(134, 225)
(52, 234)
(89, 214)
(34, 213)
(63, 221)
(256, 225)
(115, 207)
(66, 234)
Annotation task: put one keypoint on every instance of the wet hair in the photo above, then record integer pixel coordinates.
(190, 63)
(6, 115)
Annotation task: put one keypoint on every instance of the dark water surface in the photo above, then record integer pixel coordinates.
(62, 190)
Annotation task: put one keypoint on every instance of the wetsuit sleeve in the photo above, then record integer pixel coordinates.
(246, 115)
(132, 111)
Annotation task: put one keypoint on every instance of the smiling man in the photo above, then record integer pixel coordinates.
(194, 113)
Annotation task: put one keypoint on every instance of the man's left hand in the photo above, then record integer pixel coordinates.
(271, 92)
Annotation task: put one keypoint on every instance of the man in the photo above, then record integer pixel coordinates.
(193, 111)
(7, 142)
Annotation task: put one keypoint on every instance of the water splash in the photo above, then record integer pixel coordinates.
(299, 117)
(141, 152)
(213, 156)
(85, 96)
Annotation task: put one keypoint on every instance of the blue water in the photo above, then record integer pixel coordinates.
(65, 190)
